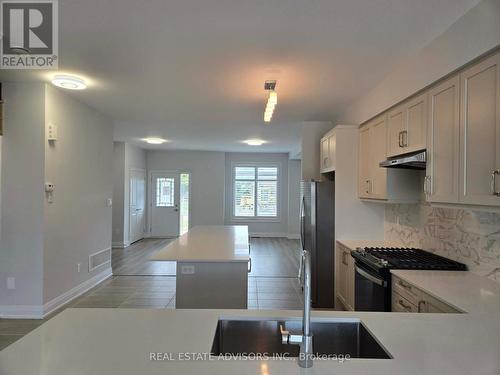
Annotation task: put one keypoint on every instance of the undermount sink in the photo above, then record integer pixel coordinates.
(341, 337)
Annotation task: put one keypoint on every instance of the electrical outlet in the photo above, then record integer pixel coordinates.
(11, 283)
(79, 267)
(187, 270)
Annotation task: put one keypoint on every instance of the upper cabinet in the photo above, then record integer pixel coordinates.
(375, 182)
(407, 127)
(372, 178)
(480, 133)
(443, 143)
(463, 158)
(458, 122)
(327, 152)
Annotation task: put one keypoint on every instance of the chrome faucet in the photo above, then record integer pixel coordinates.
(305, 340)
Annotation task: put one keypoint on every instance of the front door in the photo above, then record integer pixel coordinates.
(137, 204)
(164, 204)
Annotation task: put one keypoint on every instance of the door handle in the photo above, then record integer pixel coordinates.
(399, 139)
(420, 303)
(373, 279)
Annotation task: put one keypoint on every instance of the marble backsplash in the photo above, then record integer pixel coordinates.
(470, 237)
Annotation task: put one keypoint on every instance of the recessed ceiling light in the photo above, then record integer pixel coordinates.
(154, 141)
(69, 82)
(254, 142)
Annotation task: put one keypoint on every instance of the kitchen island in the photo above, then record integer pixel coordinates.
(154, 342)
(212, 267)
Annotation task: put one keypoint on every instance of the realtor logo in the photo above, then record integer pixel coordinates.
(29, 34)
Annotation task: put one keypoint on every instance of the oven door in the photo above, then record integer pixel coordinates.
(372, 291)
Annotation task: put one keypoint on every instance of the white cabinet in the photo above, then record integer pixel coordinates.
(377, 183)
(407, 297)
(414, 136)
(443, 144)
(395, 128)
(480, 133)
(407, 126)
(344, 277)
(327, 152)
(372, 183)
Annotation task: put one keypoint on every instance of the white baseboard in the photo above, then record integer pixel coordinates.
(77, 291)
(120, 245)
(39, 311)
(291, 236)
(268, 234)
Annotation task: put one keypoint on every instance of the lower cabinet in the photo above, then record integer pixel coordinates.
(407, 297)
(344, 277)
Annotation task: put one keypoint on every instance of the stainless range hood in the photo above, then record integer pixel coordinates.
(416, 160)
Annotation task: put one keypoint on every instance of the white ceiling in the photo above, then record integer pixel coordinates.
(193, 71)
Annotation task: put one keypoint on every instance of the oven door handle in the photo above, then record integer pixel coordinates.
(373, 279)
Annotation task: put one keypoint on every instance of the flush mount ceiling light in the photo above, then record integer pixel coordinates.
(154, 140)
(254, 142)
(271, 101)
(69, 82)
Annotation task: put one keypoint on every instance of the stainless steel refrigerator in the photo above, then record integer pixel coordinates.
(317, 234)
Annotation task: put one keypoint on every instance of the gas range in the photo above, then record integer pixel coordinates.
(373, 272)
(383, 259)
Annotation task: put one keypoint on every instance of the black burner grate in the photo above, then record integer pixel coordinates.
(410, 258)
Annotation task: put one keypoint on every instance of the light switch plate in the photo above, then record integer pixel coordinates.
(52, 132)
(11, 283)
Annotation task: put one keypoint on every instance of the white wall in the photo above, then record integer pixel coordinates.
(294, 177)
(43, 242)
(311, 134)
(21, 247)
(78, 222)
(207, 170)
(256, 227)
(477, 32)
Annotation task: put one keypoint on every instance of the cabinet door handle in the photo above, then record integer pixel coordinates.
(420, 303)
(405, 286)
(402, 304)
(494, 182)
(404, 138)
(344, 258)
(427, 180)
(367, 182)
(400, 142)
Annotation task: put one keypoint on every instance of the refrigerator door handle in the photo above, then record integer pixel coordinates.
(301, 235)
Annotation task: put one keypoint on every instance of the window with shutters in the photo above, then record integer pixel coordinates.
(255, 191)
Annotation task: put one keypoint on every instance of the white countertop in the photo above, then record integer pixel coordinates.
(119, 341)
(224, 243)
(464, 290)
(354, 244)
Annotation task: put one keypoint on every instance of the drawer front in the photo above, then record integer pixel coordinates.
(401, 304)
(406, 290)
